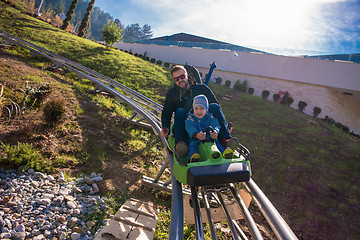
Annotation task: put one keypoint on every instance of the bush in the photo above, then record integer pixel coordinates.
(316, 111)
(141, 56)
(218, 80)
(159, 62)
(276, 97)
(289, 101)
(136, 54)
(251, 91)
(167, 64)
(283, 100)
(228, 83)
(265, 94)
(147, 58)
(302, 105)
(238, 86)
(34, 96)
(244, 86)
(54, 111)
(152, 60)
(24, 154)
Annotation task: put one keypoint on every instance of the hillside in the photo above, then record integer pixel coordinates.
(308, 168)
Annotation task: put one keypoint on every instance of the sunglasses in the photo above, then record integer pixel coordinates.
(182, 76)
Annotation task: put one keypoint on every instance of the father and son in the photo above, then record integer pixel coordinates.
(196, 108)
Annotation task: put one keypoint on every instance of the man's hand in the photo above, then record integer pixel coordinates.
(164, 132)
(201, 135)
(213, 134)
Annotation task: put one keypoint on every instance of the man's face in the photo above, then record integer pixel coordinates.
(181, 79)
(199, 111)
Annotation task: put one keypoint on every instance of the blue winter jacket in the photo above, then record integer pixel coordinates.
(196, 125)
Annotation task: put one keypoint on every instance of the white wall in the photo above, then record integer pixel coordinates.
(344, 75)
(320, 83)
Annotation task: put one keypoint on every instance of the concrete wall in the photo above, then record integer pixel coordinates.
(320, 83)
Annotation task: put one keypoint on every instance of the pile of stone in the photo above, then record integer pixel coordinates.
(35, 205)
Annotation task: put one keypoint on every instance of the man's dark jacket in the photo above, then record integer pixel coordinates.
(177, 98)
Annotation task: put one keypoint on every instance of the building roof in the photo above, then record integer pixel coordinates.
(185, 37)
(189, 40)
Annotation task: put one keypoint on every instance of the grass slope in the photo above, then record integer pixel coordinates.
(132, 71)
(308, 168)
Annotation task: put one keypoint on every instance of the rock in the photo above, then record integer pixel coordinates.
(88, 180)
(20, 228)
(95, 187)
(90, 224)
(97, 179)
(75, 236)
(35, 206)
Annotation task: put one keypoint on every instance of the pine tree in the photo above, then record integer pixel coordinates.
(69, 14)
(85, 21)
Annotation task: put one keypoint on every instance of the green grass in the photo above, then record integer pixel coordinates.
(131, 71)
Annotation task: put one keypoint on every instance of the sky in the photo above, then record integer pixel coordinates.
(288, 27)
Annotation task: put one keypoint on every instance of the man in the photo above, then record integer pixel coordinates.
(179, 100)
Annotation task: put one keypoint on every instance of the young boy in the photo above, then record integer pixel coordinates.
(196, 122)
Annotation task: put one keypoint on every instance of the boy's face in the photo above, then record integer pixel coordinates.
(199, 111)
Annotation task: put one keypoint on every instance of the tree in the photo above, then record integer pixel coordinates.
(146, 32)
(134, 32)
(69, 14)
(85, 21)
(111, 33)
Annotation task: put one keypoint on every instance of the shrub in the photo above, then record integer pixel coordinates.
(130, 52)
(329, 120)
(159, 62)
(302, 105)
(218, 80)
(167, 64)
(244, 86)
(289, 101)
(126, 51)
(276, 97)
(136, 54)
(24, 154)
(54, 111)
(238, 86)
(316, 111)
(152, 60)
(141, 56)
(147, 58)
(283, 100)
(34, 96)
(265, 94)
(228, 83)
(251, 91)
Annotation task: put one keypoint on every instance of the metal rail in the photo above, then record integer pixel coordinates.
(148, 113)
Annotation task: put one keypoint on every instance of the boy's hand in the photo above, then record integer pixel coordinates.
(213, 134)
(201, 135)
(164, 132)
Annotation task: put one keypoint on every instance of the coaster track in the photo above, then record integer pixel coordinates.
(147, 113)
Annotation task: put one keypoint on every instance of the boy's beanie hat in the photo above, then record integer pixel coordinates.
(202, 101)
